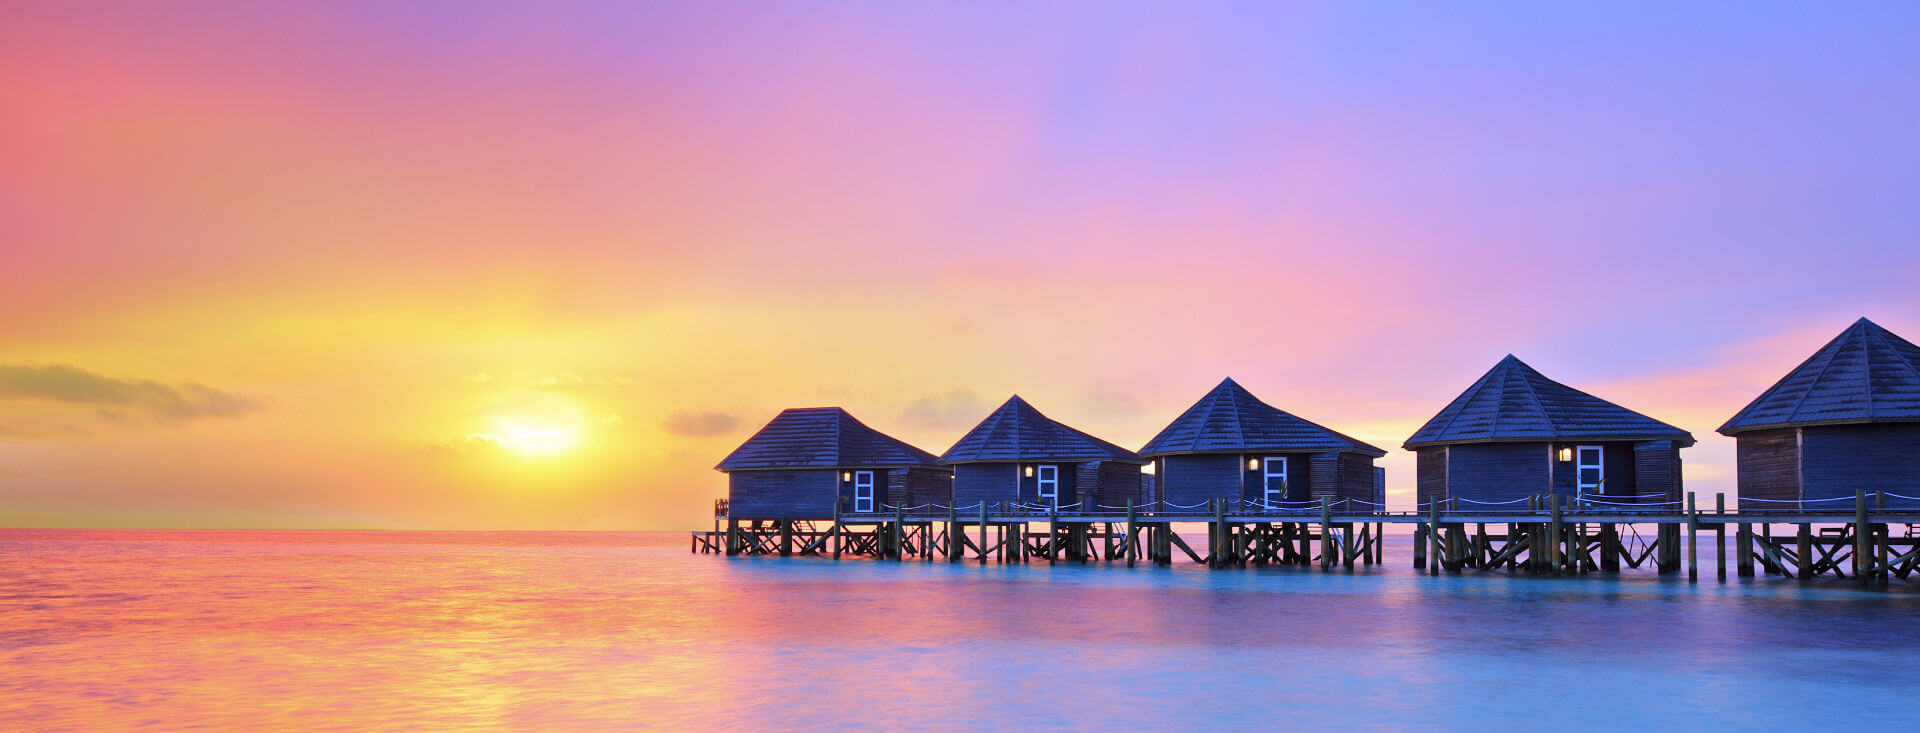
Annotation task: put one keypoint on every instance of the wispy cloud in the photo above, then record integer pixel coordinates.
(165, 401)
(700, 424)
(957, 408)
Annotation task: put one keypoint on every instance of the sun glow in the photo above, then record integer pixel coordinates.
(536, 441)
(535, 425)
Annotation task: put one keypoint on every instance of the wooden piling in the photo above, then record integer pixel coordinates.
(1693, 554)
(1553, 534)
(1881, 540)
(1743, 550)
(1420, 546)
(1609, 548)
(1326, 535)
(1720, 536)
(1805, 545)
(899, 532)
(1433, 536)
(982, 547)
(1862, 556)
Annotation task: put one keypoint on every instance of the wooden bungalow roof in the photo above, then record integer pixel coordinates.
(822, 437)
(1018, 432)
(1515, 403)
(1866, 374)
(1229, 419)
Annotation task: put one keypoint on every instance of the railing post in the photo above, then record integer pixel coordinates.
(1862, 557)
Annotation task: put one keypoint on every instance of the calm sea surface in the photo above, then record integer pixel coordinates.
(353, 630)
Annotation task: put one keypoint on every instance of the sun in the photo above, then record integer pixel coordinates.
(536, 426)
(536, 440)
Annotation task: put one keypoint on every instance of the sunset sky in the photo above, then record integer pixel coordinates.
(540, 266)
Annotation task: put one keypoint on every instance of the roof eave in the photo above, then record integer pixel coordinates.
(1731, 431)
(1685, 438)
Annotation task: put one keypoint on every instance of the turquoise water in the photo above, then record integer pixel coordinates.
(106, 630)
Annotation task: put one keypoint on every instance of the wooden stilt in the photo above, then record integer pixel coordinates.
(1693, 553)
(1862, 556)
(1433, 536)
(1743, 550)
(899, 532)
(1720, 537)
(1133, 536)
(1881, 540)
(981, 548)
(1805, 544)
(1553, 534)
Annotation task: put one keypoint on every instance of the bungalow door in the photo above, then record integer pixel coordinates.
(1590, 469)
(863, 492)
(1048, 484)
(1274, 480)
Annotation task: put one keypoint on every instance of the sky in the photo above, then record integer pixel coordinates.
(541, 265)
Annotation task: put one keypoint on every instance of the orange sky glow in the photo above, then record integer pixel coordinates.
(523, 268)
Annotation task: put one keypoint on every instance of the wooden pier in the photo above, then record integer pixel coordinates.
(1551, 535)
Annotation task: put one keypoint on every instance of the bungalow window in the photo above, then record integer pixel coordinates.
(1275, 479)
(1049, 486)
(863, 491)
(1591, 471)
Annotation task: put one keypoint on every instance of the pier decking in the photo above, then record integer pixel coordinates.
(1548, 535)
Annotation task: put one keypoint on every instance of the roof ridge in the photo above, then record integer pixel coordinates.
(1839, 345)
(1533, 393)
(1233, 409)
(1466, 397)
(1882, 334)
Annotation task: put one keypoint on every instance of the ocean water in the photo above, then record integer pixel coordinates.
(357, 630)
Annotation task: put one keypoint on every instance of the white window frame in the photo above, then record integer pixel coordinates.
(1267, 475)
(1580, 466)
(863, 480)
(1047, 485)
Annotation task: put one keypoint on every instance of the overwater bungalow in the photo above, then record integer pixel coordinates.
(1846, 419)
(809, 459)
(1230, 445)
(1516, 433)
(1019, 455)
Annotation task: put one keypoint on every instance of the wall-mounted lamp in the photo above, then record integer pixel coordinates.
(1029, 471)
(1566, 455)
(846, 475)
(1253, 464)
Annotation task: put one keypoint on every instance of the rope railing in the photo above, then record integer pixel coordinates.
(1352, 505)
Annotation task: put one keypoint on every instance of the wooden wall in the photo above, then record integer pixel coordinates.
(1196, 478)
(1496, 471)
(989, 482)
(1430, 475)
(1768, 465)
(919, 485)
(1356, 479)
(1836, 460)
(1109, 483)
(993, 482)
(784, 494)
(1656, 466)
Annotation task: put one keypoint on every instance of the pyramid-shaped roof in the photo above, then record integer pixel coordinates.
(1866, 374)
(1515, 403)
(1018, 432)
(1230, 419)
(821, 437)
